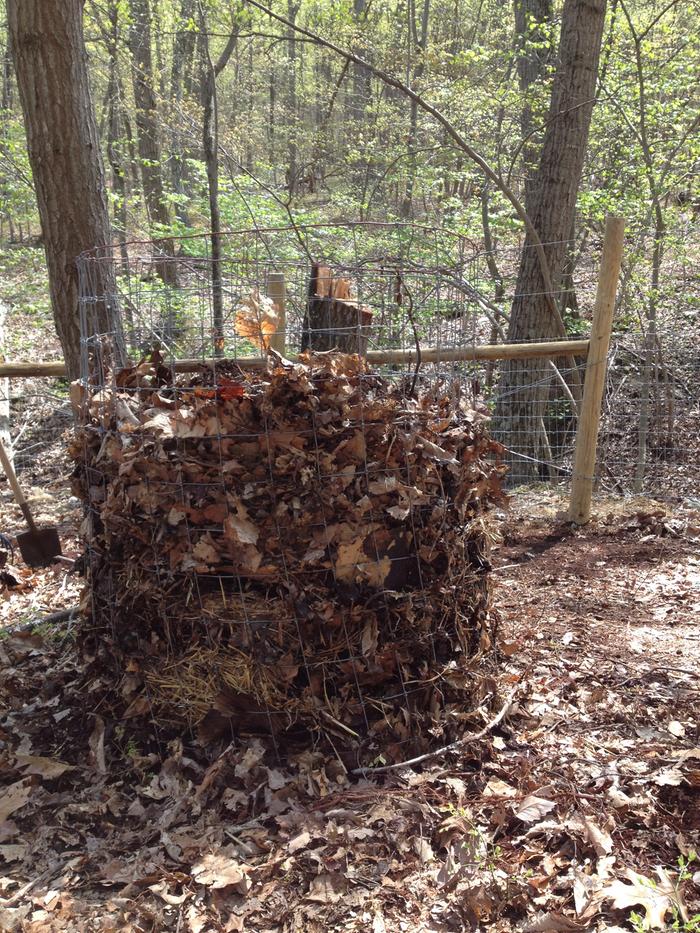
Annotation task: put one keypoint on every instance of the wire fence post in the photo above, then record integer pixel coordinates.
(277, 291)
(596, 365)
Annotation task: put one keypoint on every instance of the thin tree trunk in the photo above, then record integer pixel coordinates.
(114, 154)
(148, 135)
(64, 152)
(183, 53)
(293, 149)
(420, 44)
(210, 140)
(5, 436)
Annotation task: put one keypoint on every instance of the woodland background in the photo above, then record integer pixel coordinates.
(303, 133)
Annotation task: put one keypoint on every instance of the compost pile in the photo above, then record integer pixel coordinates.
(300, 550)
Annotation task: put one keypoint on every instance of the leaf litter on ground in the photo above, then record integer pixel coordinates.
(101, 820)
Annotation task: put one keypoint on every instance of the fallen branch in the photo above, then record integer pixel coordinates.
(54, 618)
(453, 746)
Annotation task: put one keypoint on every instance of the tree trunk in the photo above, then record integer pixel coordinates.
(525, 384)
(183, 53)
(114, 151)
(420, 44)
(210, 142)
(533, 23)
(361, 76)
(148, 136)
(292, 129)
(50, 63)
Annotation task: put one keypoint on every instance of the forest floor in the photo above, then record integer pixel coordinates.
(578, 812)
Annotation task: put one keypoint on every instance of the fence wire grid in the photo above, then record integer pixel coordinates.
(412, 286)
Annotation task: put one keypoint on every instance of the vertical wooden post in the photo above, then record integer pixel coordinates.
(596, 365)
(277, 291)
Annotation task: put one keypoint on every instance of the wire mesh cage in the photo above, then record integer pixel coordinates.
(291, 546)
(370, 288)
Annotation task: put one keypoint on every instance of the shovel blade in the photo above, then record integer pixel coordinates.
(38, 548)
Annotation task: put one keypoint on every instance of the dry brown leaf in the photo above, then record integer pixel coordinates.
(437, 453)
(398, 512)
(239, 528)
(498, 788)
(13, 852)
(370, 636)
(14, 798)
(97, 746)
(299, 842)
(257, 319)
(423, 850)
(353, 565)
(533, 809)
(47, 768)
(205, 551)
(220, 870)
(600, 839)
(327, 888)
(656, 897)
(553, 922)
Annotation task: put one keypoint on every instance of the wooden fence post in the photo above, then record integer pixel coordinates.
(277, 291)
(596, 365)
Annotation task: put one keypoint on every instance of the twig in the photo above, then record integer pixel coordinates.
(54, 618)
(453, 746)
(412, 321)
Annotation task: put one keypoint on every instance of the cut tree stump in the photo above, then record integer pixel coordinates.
(334, 319)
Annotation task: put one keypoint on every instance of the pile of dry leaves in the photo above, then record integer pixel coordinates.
(291, 550)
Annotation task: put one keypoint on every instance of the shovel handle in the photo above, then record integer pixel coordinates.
(16, 489)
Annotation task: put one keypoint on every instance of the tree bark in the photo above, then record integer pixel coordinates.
(420, 45)
(525, 386)
(148, 135)
(292, 129)
(64, 152)
(533, 23)
(183, 54)
(210, 142)
(114, 145)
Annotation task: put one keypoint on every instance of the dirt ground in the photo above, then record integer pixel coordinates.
(578, 810)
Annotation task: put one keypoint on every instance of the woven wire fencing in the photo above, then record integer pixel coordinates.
(427, 287)
(403, 288)
(295, 550)
(294, 544)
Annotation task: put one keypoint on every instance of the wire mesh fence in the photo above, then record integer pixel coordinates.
(295, 549)
(298, 547)
(404, 287)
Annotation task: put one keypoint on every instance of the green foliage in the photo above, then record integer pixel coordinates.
(304, 134)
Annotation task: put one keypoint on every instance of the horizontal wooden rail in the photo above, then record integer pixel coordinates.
(507, 351)
(23, 370)
(504, 351)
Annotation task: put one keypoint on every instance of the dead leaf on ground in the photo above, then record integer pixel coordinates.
(656, 897)
(13, 852)
(14, 798)
(533, 808)
(220, 870)
(299, 842)
(553, 921)
(97, 746)
(327, 888)
(47, 768)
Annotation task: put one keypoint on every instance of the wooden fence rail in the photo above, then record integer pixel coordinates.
(507, 351)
